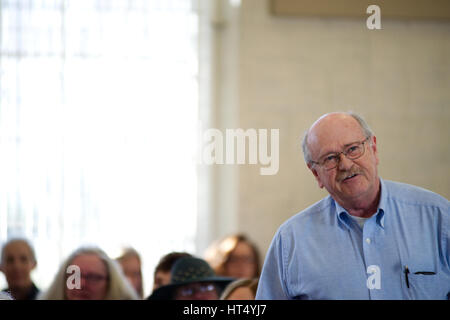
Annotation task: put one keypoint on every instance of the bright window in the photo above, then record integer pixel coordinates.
(98, 116)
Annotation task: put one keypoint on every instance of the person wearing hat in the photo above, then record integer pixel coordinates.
(192, 279)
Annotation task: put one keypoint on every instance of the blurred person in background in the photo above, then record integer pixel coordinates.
(161, 275)
(101, 278)
(17, 261)
(234, 256)
(191, 279)
(130, 262)
(241, 289)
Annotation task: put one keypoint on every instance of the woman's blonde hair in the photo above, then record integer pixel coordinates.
(132, 253)
(118, 287)
(252, 284)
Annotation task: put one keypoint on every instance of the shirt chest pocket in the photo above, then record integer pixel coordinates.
(427, 285)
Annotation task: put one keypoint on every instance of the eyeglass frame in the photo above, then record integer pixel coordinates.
(338, 154)
(94, 278)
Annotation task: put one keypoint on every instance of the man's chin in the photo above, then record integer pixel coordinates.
(356, 191)
(353, 189)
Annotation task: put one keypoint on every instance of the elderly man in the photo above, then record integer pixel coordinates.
(369, 239)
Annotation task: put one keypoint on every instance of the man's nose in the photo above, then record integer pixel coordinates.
(344, 162)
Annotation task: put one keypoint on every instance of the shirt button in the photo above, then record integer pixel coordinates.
(368, 240)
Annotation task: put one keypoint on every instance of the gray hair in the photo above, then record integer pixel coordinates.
(129, 252)
(118, 289)
(364, 127)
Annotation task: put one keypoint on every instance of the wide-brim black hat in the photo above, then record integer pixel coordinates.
(185, 271)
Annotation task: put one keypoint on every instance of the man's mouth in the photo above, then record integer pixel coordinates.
(350, 176)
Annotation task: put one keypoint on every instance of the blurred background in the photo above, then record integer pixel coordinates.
(103, 104)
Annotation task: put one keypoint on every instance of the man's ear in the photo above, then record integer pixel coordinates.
(374, 148)
(316, 175)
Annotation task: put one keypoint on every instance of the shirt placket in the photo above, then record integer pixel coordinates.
(371, 252)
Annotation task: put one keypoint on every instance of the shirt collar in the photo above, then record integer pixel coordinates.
(345, 218)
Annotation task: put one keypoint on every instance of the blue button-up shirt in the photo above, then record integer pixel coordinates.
(402, 251)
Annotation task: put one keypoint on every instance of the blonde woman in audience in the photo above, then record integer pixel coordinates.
(130, 262)
(100, 278)
(234, 256)
(242, 289)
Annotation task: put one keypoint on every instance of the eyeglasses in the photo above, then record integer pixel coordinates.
(93, 278)
(191, 290)
(352, 152)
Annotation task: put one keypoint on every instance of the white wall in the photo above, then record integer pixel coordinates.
(289, 71)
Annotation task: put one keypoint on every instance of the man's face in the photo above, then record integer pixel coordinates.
(17, 264)
(352, 180)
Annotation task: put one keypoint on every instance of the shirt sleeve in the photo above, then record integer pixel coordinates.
(272, 280)
(446, 238)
